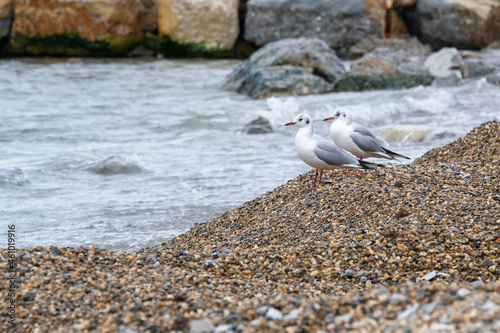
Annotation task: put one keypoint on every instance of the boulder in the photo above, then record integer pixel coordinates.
(440, 63)
(293, 66)
(464, 24)
(385, 69)
(198, 27)
(75, 27)
(340, 23)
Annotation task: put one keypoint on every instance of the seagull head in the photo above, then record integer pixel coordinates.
(301, 120)
(341, 114)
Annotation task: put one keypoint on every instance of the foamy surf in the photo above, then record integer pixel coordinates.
(116, 165)
(14, 176)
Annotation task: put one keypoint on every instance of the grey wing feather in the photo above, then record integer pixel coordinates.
(329, 153)
(365, 139)
(382, 142)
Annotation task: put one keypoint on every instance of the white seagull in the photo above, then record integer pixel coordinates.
(357, 139)
(320, 153)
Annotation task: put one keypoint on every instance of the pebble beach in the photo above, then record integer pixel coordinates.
(402, 248)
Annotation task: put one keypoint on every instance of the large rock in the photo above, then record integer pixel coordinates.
(198, 27)
(75, 27)
(294, 66)
(464, 24)
(340, 23)
(385, 69)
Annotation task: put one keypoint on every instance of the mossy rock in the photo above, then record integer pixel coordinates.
(170, 47)
(69, 45)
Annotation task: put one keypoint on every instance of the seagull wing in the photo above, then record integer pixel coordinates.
(329, 153)
(365, 139)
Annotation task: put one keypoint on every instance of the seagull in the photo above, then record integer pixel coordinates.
(320, 153)
(357, 139)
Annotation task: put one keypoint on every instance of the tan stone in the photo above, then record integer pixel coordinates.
(480, 19)
(212, 24)
(90, 19)
(481, 8)
(6, 7)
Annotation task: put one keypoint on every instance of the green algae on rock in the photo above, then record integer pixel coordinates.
(68, 45)
(169, 47)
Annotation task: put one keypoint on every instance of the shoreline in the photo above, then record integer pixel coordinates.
(355, 254)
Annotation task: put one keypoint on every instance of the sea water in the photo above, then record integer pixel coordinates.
(124, 154)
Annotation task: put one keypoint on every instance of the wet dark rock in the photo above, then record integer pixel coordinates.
(259, 126)
(287, 67)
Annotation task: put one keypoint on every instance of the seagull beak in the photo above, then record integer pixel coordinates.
(290, 123)
(329, 118)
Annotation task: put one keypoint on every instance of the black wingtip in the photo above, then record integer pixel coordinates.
(370, 165)
(394, 154)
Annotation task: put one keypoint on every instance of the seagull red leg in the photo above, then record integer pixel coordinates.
(315, 177)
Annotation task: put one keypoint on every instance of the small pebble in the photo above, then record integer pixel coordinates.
(408, 312)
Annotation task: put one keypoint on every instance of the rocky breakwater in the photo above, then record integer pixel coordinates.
(206, 28)
(402, 247)
(75, 27)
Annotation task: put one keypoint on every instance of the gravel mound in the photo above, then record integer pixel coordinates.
(404, 248)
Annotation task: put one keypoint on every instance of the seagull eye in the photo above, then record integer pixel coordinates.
(300, 119)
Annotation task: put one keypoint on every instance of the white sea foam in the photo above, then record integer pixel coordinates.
(115, 165)
(14, 176)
